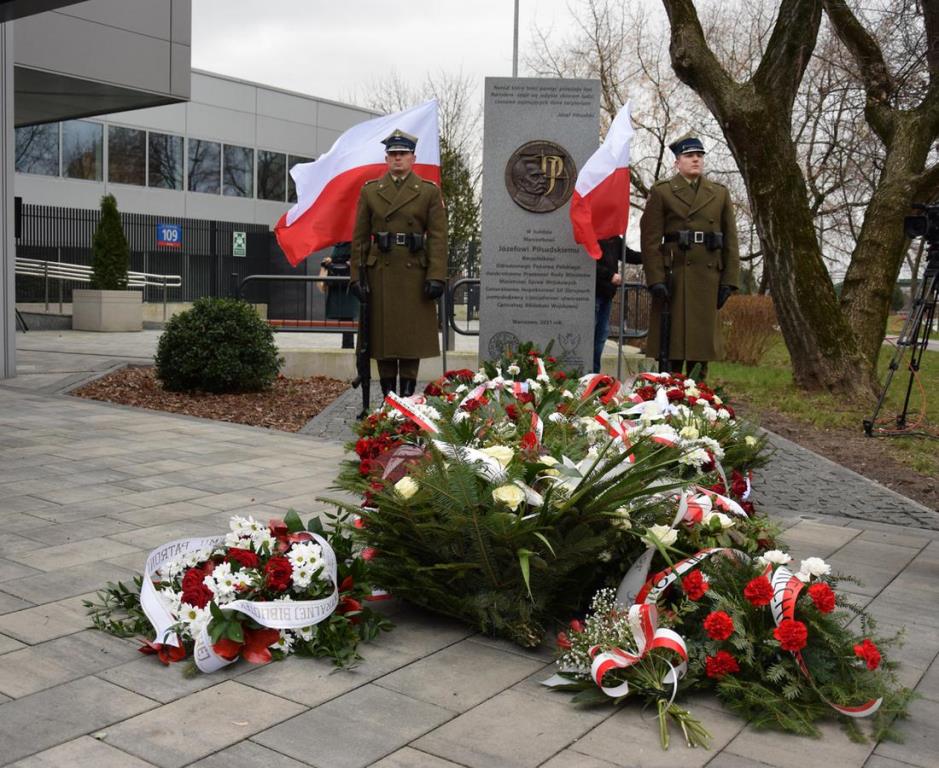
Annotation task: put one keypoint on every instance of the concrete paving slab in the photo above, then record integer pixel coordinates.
(68, 582)
(813, 539)
(920, 746)
(384, 722)
(873, 564)
(57, 715)
(409, 757)
(84, 752)
(149, 678)
(786, 750)
(8, 644)
(247, 754)
(54, 534)
(441, 678)
(9, 603)
(48, 621)
(229, 712)
(65, 556)
(11, 570)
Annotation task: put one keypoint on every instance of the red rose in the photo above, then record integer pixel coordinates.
(576, 626)
(365, 466)
(551, 359)
(368, 553)
(511, 410)
(244, 557)
(738, 484)
(563, 642)
(278, 573)
(462, 373)
(748, 507)
(471, 405)
(525, 397)
(718, 625)
(694, 585)
(646, 393)
(362, 446)
(759, 591)
(529, 442)
(822, 596)
(199, 596)
(192, 579)
(432, 390)
(675, 394)
(720, 664)
(869, 653)
(560, 376)
(791, 634)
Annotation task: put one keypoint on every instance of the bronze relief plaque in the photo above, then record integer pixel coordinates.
(540, 176)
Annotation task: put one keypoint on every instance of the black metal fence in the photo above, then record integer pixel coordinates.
(204, 255)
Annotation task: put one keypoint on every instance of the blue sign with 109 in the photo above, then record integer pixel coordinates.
(169, 235)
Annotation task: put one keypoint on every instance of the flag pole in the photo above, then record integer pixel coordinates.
(622, 313)
(515, 44)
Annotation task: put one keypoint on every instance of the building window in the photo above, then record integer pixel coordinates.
(272, 175)
(293, 160)
(127, 155)
(37, 149)
(82, 150)
(239, 171)
(204, 166)
(166, 161)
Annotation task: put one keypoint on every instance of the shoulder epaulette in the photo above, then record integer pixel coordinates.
(428, 181)
(371, 181)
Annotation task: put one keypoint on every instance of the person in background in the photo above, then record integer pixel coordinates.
(340, 303)
(689, 252)
(608, 281)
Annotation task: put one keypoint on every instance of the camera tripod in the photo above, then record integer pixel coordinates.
(915, 337)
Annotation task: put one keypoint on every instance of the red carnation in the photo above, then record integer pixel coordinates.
(720, 664)
(560, 376)
(244, 557)
(511, 410)
(362, 446)
(791, 634)
(759, 591)
(675, 394)
(646, 393)
(695, 585)
(718, 625)
(525, 397)
(822, 596)
(529, 442)
(738, 484)
(278, 573)
(551, 359)
(869, 653)
(432, 390)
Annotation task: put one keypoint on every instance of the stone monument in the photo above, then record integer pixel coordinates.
(537, 284)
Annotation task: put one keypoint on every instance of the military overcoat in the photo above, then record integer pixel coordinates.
(692, 276)
(403, 322)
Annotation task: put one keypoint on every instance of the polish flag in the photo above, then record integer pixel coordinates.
(328, 188)
(600, 205)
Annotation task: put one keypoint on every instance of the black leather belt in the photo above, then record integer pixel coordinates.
(413, 241)
(695, 236)
(686, 238)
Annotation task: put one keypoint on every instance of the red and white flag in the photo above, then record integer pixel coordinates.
(600, 205)
(328, 188)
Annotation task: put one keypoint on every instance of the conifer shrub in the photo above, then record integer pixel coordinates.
(220, 345)
(110, 253)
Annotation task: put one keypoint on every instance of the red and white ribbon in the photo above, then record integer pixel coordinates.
(406, 408)
(643, 621)
(786, 589)
(594, 380)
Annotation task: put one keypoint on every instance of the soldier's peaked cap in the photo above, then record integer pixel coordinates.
(399, 141)
(686, 144)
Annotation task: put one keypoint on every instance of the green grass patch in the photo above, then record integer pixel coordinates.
(769, 386)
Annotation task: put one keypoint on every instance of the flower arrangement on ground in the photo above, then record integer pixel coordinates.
(506, 496)
(260, 593)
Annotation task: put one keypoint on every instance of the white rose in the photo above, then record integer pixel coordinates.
(750, 440)
(716, 400)
(814, 566)
(510, 495)
(723, 414)
(689, 433)
(548, 459)
(663, 534)
(514, 370)
(501, 453)
(776, 557)
(723, 519)
(406, 487)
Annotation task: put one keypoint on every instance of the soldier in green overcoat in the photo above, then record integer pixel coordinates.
(689, 253)
(401, 237)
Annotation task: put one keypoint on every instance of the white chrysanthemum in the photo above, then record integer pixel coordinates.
(284, 642)
(663, 534)
(222, 582)
(460, 415)
(713, 446)
(302, 577)
(557, 418)
(461, 389)
(533, 385)
(514, 370)
(814, 566)
(697, 457)
(689, 432)
(194, 617)
(170, 598)
(709, 413)
(723, 414)
(750, 441)
(306, 633)
(480, 377)
(775, 556)
(692, 391)
(306, 553)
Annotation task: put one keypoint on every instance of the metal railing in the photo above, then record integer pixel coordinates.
(79, 273)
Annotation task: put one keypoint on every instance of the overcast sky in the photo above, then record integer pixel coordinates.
(334, 48)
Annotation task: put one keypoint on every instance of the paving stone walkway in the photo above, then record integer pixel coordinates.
(87, 489)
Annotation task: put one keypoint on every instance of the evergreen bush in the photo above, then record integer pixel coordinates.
(220, 345)
(110, 252)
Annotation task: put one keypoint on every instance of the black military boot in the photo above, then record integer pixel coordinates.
(387, 385)
(407, 387)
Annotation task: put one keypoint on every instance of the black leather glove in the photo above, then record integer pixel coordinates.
(723, 293)
(433, 289)
(659, 291)
(360, 291)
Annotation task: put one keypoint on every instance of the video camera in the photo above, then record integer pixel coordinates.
(925, 224)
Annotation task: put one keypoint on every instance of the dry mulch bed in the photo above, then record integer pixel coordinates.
(291, 403)
(853, 449)
(288, 405)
